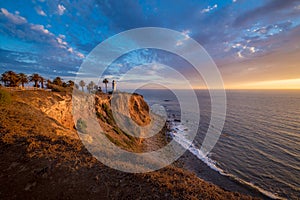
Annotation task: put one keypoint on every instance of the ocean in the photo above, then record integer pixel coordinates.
(260, 142)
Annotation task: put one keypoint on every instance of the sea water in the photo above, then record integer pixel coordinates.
(260, 141)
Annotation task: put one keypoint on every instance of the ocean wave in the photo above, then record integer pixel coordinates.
(178, 132)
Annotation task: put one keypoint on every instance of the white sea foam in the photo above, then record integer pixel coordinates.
(179, 131)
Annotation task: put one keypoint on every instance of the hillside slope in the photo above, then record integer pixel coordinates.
(43, 158)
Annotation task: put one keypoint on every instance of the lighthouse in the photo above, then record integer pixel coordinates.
(114, 86)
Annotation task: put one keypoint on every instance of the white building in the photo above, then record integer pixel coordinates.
(114, 85)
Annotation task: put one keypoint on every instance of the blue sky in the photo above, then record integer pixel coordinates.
(250, 40)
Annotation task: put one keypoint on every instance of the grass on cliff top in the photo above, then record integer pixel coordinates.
(5, 97)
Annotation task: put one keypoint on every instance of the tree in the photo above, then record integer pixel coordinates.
(96, 87)
(5, 79)
(105, 81)
(92, 85)
(49, 84)
(82, 84)
(10, 79)
(88, 87)
(70, 83)
(35, 78)
(13, 79)
(23, 78)
(58, 81)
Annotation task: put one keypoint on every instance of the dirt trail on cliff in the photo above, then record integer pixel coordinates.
(43, 158)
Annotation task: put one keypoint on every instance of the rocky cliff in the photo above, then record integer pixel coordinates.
(42, 157)
(59, 106)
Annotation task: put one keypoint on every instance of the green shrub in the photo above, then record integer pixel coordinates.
(5, 97)
(129, 143)
(130, 137)
(118, 130)
(116, 142)
(56, 88)
(105, 107)
(109, 119)
(100, 116)
(81, 125)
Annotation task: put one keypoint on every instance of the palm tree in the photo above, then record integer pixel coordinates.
(105, 81)
(82, 84)
(10, 78)
(58, 81)
(23, 79)
(70, 83)
(35, 78)
(49, 84)
(90, 86)
(14, 79)
(5, 79)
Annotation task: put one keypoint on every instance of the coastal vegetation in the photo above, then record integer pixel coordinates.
(105, 81)
(81, 125)
(5, 97)
(15, 80)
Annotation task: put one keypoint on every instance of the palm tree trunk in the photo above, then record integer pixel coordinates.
(106, 87)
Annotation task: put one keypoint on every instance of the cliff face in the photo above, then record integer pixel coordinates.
(42, 157)
(55, 105)
(58, 106)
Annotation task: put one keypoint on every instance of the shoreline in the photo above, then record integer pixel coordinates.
(188, 161)
(193, 164)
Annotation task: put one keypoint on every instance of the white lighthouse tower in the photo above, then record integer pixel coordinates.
(114, 85)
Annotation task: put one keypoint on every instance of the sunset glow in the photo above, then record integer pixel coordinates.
(272, 84)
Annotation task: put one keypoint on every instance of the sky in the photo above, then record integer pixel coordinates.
(254, 43)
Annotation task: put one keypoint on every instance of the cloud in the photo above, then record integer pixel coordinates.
(60, 41)
(185, 37)
(80, 55)
(209, 8)
(297, 7)
(70, 50)
(252, 49)
(14, 18)
(61, 9)
(41, 29)
(266, 11)
(239, 54)
(36, 33)
(39, 11)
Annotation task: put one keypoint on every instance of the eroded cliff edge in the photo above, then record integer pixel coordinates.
(42, 156)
